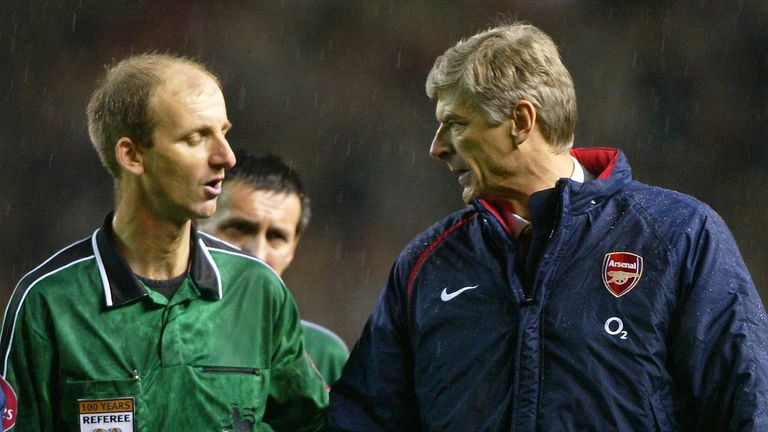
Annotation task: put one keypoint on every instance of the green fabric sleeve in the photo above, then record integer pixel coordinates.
(30, 364)
(327, 352)
(298, 396)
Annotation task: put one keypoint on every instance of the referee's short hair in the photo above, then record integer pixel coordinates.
(120, 105)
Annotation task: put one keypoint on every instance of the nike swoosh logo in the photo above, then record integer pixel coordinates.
(444, 296)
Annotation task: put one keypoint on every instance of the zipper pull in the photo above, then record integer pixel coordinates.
(136, 375)
(529, 301)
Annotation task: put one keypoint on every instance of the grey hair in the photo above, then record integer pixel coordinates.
(494, 69)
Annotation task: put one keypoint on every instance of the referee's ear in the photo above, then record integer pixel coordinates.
(129, 156)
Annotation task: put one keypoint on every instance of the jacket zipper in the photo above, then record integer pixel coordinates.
(530, 300)
(544, 283)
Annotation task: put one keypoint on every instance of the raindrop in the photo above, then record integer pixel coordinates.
(50, 160)
(241, 97)
(74, 21)
(399, 57)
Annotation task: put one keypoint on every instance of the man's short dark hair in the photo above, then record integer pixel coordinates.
(268, 172)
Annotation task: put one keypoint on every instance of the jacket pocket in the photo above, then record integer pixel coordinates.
(241, 393)
(661, 408)
(97, 400)
(230, 369)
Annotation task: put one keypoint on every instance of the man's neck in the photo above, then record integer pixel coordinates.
(544, 174)
(152, 248)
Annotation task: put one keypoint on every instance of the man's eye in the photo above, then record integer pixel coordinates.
(237, 230)
(455, 126)
(277, 237)
(195, 138)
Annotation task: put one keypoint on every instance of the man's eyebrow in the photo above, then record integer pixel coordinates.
(280, 230)
(452, 116)
(238, 222)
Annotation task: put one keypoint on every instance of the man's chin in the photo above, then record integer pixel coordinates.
(204, 212)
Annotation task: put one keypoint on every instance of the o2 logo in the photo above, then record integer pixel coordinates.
(614, 326)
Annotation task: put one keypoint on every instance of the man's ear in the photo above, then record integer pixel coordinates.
(523, 120)
(129, 156)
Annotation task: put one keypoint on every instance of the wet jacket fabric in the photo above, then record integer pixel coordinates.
(632, 311)
(85, 341)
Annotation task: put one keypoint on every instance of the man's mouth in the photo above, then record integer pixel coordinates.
(463, 175)
(213, 187)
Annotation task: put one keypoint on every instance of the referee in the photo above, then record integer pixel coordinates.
(147, 325)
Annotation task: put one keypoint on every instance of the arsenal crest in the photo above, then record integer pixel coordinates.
(621, 272)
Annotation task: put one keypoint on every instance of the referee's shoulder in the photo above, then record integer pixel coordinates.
(57, 263)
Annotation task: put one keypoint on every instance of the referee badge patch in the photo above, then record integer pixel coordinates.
(106, 415)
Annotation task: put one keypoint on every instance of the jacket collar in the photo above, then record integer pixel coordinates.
(612, 173)
(609, 167)
(120, 284)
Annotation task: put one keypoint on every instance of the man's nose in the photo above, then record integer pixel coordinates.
(440, 148)
(258, 248)
(222, 155)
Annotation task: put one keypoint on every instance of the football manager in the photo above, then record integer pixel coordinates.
(566, 296)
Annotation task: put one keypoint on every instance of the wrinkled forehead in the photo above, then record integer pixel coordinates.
(451, 101)
(279, 208)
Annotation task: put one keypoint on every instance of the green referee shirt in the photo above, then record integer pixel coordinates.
(86, 346)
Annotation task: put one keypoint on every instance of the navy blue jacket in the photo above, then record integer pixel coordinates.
(635, 312)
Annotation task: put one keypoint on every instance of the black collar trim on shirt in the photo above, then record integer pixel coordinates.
(120, 284)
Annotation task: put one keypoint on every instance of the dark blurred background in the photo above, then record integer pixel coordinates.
(337, 88)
